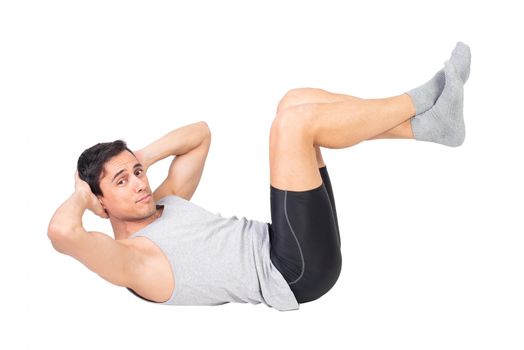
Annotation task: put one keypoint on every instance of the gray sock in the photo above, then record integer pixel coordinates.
(425, 96)
(444, 122)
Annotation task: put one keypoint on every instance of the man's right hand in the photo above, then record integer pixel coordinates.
(92, 202)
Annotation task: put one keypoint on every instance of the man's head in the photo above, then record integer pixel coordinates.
(118, 179)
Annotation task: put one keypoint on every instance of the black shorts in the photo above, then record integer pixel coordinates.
(305, 241)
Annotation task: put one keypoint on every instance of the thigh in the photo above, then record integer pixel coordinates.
(305, 245)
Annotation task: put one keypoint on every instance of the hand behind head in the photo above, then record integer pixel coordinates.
(92, 201)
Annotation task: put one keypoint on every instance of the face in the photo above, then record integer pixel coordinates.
(125, 188)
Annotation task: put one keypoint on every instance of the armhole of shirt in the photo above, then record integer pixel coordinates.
(141, 297)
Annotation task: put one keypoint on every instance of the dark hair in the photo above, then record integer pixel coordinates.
(91, 162)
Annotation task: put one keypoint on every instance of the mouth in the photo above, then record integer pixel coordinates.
(145, 198)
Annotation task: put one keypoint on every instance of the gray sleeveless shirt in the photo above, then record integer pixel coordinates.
(217, 260)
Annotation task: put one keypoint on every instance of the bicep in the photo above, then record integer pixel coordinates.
(185, 173)
(100, 253)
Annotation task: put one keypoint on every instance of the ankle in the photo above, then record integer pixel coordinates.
(410, 105)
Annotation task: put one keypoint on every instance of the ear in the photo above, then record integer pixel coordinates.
(100, 199)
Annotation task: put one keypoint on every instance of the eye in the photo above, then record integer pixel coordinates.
(139, 172)
(121, 181)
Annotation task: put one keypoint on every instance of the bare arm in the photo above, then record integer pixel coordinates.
(190, 146)
(110, 259)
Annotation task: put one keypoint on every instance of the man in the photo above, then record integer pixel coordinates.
(169, 250)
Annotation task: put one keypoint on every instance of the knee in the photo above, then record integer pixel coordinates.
(298, 118)
(293, 97)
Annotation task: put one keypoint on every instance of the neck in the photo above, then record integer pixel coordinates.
(124, 229)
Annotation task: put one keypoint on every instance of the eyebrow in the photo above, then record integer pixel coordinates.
(137, 165)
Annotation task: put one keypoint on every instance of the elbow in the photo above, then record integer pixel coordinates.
(206, 134)
(205, 128)
(55, 234)
(53, 231)
(58, 236)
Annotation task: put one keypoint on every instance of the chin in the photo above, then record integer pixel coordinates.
(151, 210)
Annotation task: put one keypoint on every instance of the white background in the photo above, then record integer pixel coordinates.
(432, 237)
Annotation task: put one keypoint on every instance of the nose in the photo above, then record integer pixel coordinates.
(139, 184)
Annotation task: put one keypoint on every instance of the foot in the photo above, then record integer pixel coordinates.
(444, 122)
(426, 95)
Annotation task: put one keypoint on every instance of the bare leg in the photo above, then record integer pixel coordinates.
(298, 130)
(401, 131)
(320, 160)
(300, 96)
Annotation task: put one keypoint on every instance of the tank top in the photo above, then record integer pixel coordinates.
(217, 260)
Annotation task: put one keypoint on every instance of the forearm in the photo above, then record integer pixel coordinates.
(176, 142)
(68, 217)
